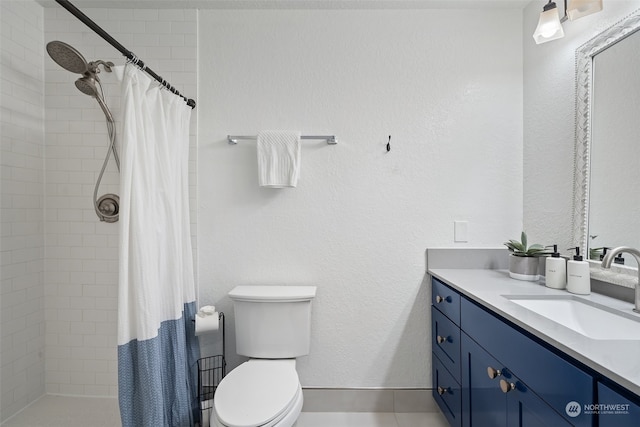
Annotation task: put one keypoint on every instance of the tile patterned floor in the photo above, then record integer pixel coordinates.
(63, 411)
(369, 419)
(60, 411)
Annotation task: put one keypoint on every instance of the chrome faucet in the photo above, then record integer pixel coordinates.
(608, 258)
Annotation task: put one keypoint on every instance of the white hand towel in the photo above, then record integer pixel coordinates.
(207, 310)
(278, 158)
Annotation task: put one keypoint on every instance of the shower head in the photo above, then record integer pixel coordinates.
(87, 85)
(67, 57)
(90, 85)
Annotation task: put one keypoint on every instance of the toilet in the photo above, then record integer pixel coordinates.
(273, 325)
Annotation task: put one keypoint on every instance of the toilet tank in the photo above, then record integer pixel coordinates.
(272, 322)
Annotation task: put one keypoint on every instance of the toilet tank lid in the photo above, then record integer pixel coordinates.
(274, 293)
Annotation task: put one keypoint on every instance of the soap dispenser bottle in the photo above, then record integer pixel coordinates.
(578, 276)
(555, 270)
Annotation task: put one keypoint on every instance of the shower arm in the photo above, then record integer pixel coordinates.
(93, 66)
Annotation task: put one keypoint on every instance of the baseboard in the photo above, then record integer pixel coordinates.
(368, 400)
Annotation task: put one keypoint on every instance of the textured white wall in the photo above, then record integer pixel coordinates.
(447, 85)
(21, 206)
(549, 120)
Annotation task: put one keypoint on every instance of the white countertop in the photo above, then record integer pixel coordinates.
(618, 360)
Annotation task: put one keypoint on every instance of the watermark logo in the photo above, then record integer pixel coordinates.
(607, 408)
(573, 409)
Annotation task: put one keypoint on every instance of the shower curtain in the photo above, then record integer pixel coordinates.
(157, 347)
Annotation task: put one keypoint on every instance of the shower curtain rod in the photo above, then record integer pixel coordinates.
(126, 52)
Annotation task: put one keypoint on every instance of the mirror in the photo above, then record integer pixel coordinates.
(614, 204)
(606, 206)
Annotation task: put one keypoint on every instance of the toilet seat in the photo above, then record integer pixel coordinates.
(258, 393)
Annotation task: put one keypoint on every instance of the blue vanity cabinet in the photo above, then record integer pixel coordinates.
(541, 379)
(445, 346)
(616, 410)
(489, 372)
(493, 396)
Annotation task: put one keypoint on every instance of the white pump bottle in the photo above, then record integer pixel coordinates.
(578, 276)
(555, 270)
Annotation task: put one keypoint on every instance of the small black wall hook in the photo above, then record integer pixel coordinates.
(389, 144)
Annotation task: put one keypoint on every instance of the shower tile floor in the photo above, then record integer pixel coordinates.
(63, 411)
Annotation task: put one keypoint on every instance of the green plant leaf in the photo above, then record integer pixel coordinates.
(514, 246)
(521, 249)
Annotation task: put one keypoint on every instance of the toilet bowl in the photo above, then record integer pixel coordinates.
(272, 325)
(259, 393)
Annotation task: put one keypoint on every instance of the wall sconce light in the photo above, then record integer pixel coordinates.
(579, 8)
(550, 24)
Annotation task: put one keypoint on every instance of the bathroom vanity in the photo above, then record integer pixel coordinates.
(498, 362)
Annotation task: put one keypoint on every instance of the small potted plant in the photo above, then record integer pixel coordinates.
(524, 260)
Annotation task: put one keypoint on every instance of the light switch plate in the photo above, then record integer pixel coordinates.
(461, 231)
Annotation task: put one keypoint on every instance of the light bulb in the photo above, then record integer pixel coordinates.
(549, 26)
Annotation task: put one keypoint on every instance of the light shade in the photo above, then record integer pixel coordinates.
(579, 8)
(549, 26)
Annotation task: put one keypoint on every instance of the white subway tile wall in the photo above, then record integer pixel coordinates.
(81, 267)
(21, 206)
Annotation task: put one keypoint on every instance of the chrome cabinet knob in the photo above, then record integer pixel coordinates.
(439, 299)
(442, 390)
(506, 386)
(441, 339)
(493, 372)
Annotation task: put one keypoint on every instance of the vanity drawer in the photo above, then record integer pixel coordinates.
(445, 342)
(446, 300)
(542, 370)
(446, 392)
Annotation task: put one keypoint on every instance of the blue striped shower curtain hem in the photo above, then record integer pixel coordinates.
(153, 375)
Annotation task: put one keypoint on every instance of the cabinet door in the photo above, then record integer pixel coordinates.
(526, 409)
(615, 410)
(483, 403)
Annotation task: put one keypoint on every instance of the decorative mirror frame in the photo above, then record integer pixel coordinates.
(620, 275)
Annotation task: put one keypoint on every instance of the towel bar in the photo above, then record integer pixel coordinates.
(331, 139)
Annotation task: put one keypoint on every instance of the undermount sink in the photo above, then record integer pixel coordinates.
(590, 319)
